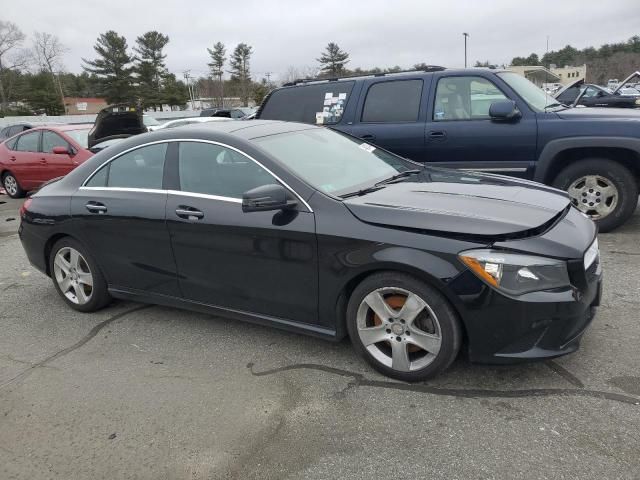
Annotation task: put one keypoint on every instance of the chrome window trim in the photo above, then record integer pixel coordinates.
(126, 189)
(205, 195)
(180, 192)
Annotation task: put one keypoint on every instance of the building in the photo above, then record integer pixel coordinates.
(541, 75)
(83, 105)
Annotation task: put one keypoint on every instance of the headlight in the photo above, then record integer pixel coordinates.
(637, 101)
(516, 274)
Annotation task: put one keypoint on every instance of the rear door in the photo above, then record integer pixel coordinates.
(25, 161)
(121, 212)
(392, 114)
(460, 133)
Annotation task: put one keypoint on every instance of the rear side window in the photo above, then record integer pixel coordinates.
(396, 101)
(321, 104)
(28, 142)
(140, 168)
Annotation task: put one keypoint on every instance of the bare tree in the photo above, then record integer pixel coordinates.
(10, 37)
(292, 73)
(48, 51)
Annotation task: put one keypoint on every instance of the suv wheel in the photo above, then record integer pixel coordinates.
(402, 327)
(11, 186)
(603, 189)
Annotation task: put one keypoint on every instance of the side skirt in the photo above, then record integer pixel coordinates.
(259, 319)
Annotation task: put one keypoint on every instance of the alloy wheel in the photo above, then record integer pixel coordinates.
(594, 195)
(11, 185)
(73, 275)
(399, 329)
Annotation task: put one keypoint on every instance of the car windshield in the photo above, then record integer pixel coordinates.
(149, 121)
(535, 97)
(333, 162)
(81, 136)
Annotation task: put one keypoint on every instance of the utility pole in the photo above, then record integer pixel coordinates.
(465, 35)
(267, 75)
(187, 77)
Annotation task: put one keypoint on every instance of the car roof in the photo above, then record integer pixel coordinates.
(63, 127)
(246, 130)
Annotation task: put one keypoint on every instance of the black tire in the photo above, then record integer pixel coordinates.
(99, 297)
(615, 173)
(449, 326)
(18, 192)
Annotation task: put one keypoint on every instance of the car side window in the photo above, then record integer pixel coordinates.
(237, 114)
(465, 98)
(590, 92)
(140, 168)
(28, 142)
(50, 140)
(216, 170)
(394, 101)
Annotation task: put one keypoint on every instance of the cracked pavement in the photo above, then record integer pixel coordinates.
(150, 392)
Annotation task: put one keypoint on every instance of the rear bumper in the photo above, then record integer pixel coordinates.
(34, 246)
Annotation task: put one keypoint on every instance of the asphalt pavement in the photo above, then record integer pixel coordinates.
(148, 392)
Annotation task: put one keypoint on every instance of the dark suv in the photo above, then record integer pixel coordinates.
(486, 120)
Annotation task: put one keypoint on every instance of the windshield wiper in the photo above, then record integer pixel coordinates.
(362, 191)
(406, 173)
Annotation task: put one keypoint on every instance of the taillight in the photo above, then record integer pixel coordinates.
(25, 206)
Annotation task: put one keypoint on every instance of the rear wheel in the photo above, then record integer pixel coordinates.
(77, 277)
(603, 189)
(403, 327)
(11, 186)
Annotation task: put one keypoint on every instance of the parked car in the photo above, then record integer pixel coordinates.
(588, 95)
(189, 121)
(37, 155)
(117, 121)
(313, 231)
(235, 113)
(150, 122)
(486, 120)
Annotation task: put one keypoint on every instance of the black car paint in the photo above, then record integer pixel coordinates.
(295, 269)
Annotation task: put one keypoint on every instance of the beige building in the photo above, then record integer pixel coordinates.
(541, 75)
(83, 105)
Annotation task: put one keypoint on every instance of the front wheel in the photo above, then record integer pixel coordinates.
(403, 327)
(603, 189)
(11, 186)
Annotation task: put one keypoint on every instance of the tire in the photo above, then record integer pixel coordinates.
(71, 277)
(11, 186)
(588, 181)
(390, 345)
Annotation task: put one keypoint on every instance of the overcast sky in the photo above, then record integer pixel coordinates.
(286, 33)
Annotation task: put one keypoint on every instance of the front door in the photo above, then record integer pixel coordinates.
(57, 164)
(460, 133)
(258, 262)
(121, 212)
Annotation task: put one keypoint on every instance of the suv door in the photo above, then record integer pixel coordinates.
(392, 115)
(25, 160)
(120, 210)
(259, 262)
(460, 133)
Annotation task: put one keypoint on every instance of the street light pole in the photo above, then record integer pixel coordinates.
(465, 35)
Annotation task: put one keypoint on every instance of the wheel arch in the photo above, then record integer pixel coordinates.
(560, 153)
(48, 246)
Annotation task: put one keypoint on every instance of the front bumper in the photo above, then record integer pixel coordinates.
(534, 326)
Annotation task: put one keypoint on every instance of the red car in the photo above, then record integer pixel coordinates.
(29, 159)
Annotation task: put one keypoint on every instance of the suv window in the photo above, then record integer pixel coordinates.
(51, 139)
(216, 170)
(28, 142)
(395, 101)
(322, 103)
(465, 98)
(140, 168)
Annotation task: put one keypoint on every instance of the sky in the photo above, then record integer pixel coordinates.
(285, 33)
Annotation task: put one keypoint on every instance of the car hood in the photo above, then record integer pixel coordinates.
(462, 203)
(582, 113)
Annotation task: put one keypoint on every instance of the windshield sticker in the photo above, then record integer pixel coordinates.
(367, 148)
(319, 118)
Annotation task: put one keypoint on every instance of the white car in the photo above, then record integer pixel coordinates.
(188, 121)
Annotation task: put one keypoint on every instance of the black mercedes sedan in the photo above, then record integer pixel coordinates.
(310, 230)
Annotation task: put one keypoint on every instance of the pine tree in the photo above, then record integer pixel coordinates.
(333, 60)
(239, 63)
(113, 67)
(218, 57)
(150, 67)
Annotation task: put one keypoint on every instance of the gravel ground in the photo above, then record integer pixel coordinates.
(149, 392)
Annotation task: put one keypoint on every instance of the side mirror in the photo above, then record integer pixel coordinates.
(61, 151)
(504, 111)
(265, 198)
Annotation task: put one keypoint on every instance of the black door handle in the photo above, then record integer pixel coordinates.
(189, 213)
(96, 207)
(368, 136)
(437, 135)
